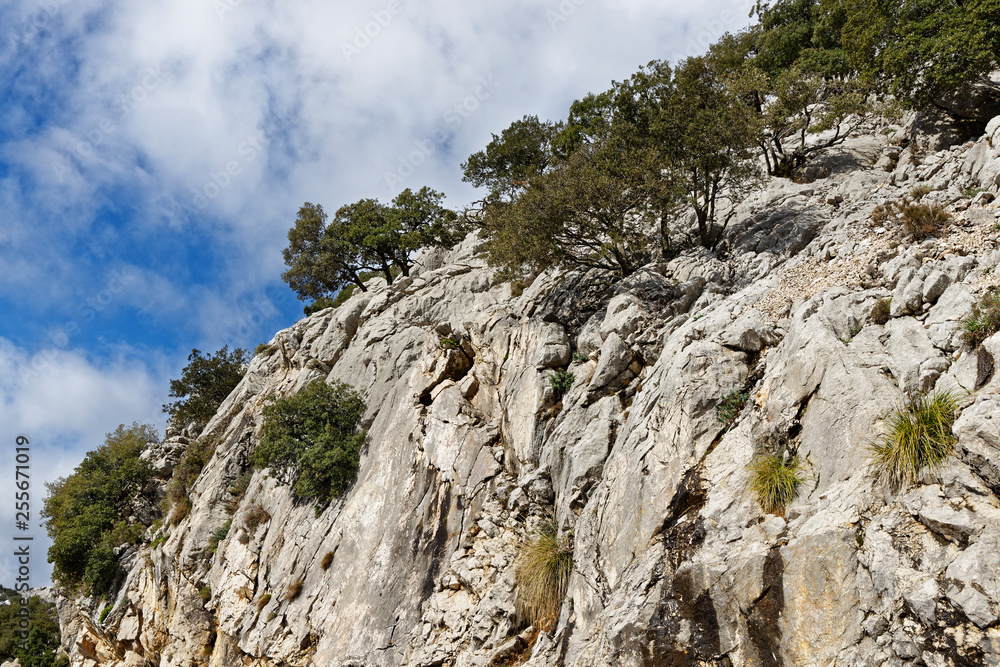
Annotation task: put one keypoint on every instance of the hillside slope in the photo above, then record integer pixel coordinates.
(470, 450)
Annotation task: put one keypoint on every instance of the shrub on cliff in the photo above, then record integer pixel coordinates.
(205, 383)
(313, 441)
(89, 513)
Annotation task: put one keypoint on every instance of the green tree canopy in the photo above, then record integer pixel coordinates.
(664, 141)
(510, 160)
(363, 237)
(920, 50)
(204, 384)
(89, 513)
(312, 439)
(320, 263)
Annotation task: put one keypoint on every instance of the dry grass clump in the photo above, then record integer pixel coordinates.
(541, 573)
(255, 516)
(919, 437)
(328, 559)
(774, 481)
(880, 311)
(294, 590)
(918, 220)
(923, 220)
(262, 602)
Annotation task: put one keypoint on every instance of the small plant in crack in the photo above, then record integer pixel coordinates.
(730, 407)
(561, 381)
(774, 481)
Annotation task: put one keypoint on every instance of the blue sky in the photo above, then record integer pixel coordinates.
(153, 156)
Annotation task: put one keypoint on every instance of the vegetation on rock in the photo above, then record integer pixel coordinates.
(313, 441)
(90, 513)
(774, 481)
(919, 437)
(541, 573)
(204, 384)
(730, 407)
(983, 321)
(366, 236)
(177, 503)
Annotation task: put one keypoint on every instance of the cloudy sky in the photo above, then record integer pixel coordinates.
(154, 154)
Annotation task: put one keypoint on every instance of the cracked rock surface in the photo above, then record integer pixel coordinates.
(471, 449)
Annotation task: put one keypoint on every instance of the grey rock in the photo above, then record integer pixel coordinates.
(614, 358)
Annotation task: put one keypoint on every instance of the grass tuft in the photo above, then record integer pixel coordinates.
(774, 481)
(880, 311)
(919, 437)
(294, 590)
(983, 321)
(328, 559)
(541, 573)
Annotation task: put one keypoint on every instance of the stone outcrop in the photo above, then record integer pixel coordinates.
(471, 449)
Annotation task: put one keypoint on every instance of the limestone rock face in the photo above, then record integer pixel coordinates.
(471, 449)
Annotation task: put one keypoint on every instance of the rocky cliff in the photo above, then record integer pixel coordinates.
(470, 449)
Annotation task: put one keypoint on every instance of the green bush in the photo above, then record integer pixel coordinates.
(541, 574)
(218, 535)
(105, 612)
(561, 381)
(880, 311)
(983, 321)
(205, 383)
(262, 601)
(88, 513)
(43, 638)
(205, 593)
(774, 481)
(313, 441)
(731, 406)
(919, 437)
(264, 348)
(177, 503)
(238, 490)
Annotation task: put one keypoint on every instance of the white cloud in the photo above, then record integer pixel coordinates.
(64, 405)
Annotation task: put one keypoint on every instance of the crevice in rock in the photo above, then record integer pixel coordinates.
(765, 612)
(984, 368)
